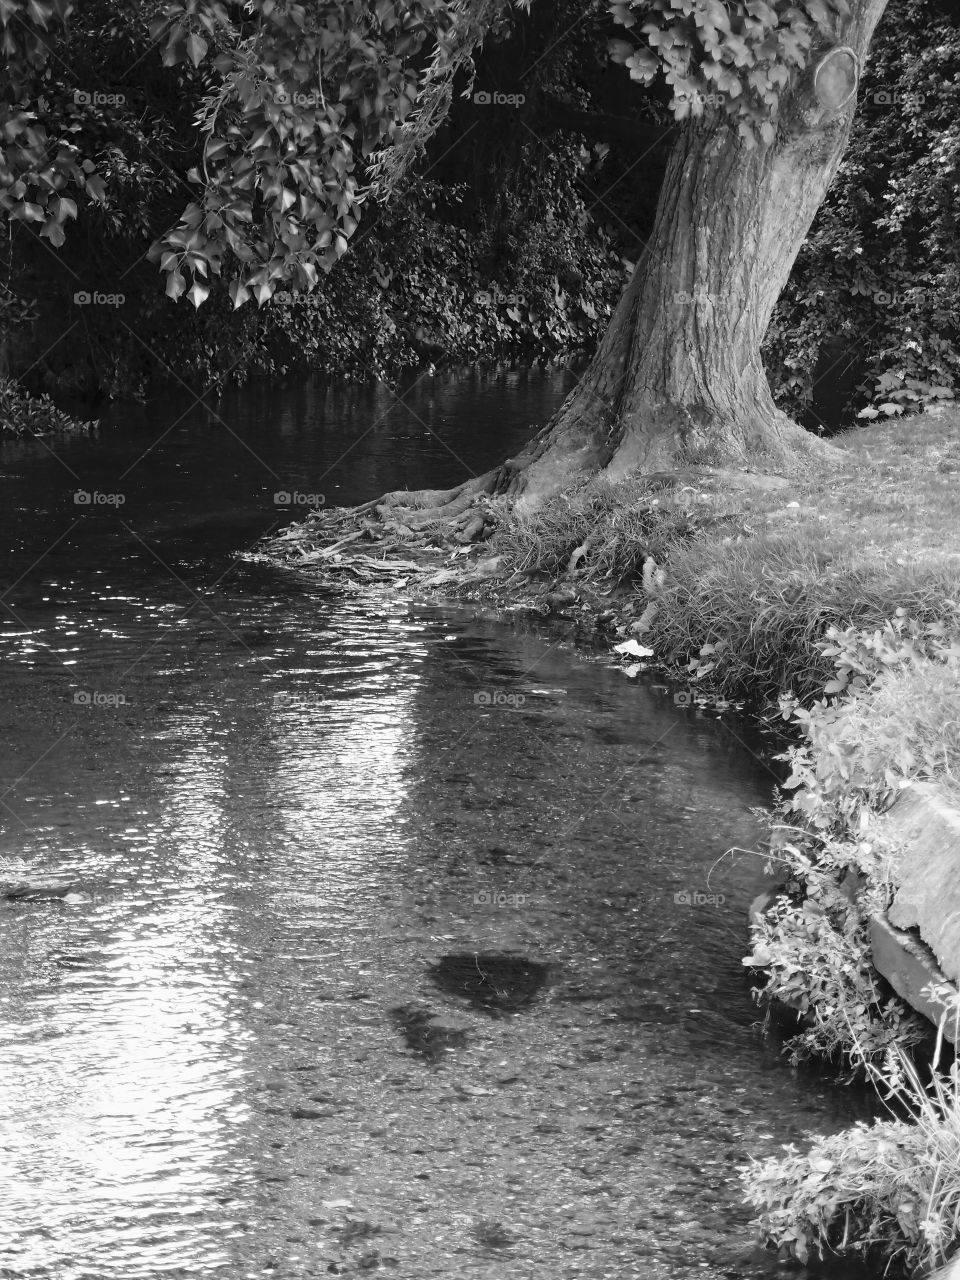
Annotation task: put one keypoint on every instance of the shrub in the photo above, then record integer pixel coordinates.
(24, 415)
(899, 720)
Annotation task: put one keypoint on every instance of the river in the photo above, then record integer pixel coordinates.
(402, 939)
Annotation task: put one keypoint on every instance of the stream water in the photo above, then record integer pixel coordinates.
(402, 940)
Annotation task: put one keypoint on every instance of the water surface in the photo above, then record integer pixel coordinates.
(291, 815)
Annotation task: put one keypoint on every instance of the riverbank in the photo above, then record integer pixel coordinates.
(827, 600)
(831, 600)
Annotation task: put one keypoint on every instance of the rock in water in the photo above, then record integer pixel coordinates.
(39, 892)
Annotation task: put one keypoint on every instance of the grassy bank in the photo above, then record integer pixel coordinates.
(755, 574)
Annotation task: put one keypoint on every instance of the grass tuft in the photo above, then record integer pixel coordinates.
(617, 526)
(767, 601)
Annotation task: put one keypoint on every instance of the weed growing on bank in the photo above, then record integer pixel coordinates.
(812, 947)
(890, 716)
(888, 1191)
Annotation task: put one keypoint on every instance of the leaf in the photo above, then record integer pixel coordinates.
(818, 11)
(175, 285)
(53, 231)
(198, 293)
(196, 48)
(27, 211)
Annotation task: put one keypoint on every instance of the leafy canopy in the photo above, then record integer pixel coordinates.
(297, 98)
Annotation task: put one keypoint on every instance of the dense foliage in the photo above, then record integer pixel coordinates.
(436, 272)
(874, 289)
(201, 139)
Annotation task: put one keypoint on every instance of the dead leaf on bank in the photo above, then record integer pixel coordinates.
(633, 649)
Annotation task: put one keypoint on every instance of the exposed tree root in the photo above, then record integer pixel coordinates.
(435, 536)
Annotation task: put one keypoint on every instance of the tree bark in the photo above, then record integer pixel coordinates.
(677, 378)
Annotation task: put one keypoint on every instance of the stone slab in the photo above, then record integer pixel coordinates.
(926, 871)
(909, 966)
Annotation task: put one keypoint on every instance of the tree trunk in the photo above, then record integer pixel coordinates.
(677, 377)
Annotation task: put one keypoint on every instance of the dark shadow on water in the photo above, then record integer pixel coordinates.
(427, 1033)
(493, 982)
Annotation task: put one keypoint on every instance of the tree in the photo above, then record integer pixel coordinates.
(766, 93)
(305, 101)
